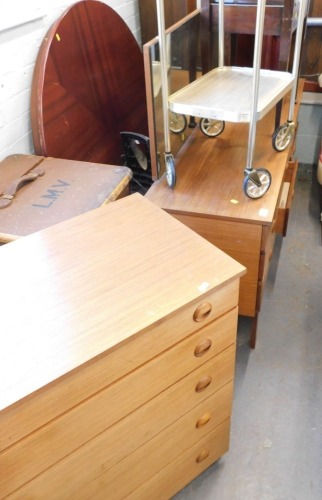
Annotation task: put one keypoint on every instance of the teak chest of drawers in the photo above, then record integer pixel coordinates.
(117, 356)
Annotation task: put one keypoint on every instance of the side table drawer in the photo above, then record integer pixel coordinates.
(279, 226)
(267, 247)
(286, 197)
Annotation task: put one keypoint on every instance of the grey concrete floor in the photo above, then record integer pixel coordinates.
(276, 435)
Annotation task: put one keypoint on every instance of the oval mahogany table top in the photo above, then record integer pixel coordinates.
(88, 86)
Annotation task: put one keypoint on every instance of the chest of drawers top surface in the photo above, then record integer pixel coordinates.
(86, 286)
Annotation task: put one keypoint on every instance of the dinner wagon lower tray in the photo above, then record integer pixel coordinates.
(226, 94)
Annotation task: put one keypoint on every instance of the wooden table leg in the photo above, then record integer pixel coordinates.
(278, 112)
(253, 332)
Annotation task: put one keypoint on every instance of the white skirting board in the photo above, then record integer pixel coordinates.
(312, 98)
(319, 173)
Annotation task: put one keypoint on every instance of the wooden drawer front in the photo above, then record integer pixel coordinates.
(186, 467)
(53, 442)
(128, 474)
(286, 197)
(268, 240)
(34, 412)
(279, 225)
(157, 453)
(267, 246)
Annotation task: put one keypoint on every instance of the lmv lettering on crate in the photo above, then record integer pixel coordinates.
(53, 193)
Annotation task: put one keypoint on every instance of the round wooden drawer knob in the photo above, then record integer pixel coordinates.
(202, 312)
(202, 456)
(202, 347)
(203, 420)
(203, 383)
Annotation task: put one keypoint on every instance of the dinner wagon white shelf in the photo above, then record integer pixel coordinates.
(226, 94)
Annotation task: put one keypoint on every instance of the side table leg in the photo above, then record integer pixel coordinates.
(278, 112)
(253, 332)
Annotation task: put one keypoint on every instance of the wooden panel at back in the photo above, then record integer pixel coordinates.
(88, 86)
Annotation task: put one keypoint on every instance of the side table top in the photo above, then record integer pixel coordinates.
(210, 173)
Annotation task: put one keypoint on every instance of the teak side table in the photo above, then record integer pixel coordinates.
(208, 198)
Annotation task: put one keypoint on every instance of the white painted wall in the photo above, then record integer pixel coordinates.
(309, 133)
(23, 25)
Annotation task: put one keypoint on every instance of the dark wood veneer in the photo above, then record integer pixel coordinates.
(88, 86)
